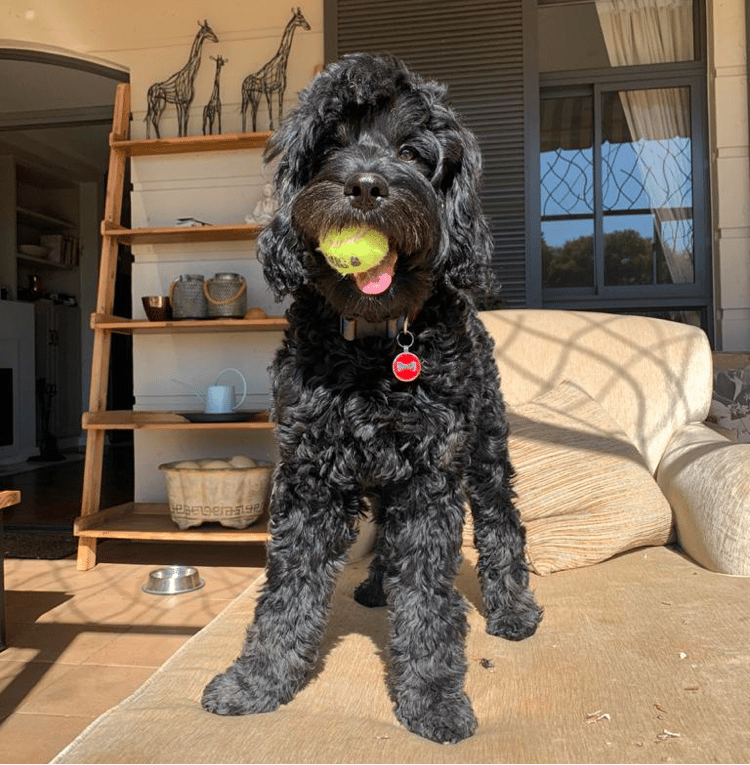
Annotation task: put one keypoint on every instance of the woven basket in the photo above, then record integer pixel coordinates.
(234, 496)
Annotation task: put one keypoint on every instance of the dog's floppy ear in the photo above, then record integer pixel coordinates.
(280, 248)
(467, 242)
(280, 252)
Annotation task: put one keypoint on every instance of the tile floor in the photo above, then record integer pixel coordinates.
(80, 642)
(51, 492)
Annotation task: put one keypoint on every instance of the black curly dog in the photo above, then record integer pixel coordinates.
(372, 144)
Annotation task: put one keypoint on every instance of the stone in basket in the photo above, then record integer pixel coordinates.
(233, 492)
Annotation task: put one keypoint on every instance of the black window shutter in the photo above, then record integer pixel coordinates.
(476, 49)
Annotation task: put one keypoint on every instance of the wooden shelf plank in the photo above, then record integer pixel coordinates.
(236, 232)
(42, 219)
(189, 144)
(126, 326)
(147, 521)
(124, 419)
(10, 497)
(44, 263)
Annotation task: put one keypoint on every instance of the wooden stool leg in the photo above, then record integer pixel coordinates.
(92, 490)
(86, 553)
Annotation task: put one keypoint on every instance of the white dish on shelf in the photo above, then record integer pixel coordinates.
(33, 250)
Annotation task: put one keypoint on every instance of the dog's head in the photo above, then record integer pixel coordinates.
(372, 144)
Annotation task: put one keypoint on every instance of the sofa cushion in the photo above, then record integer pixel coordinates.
(583, 490)
(706, 479)
(652, 376)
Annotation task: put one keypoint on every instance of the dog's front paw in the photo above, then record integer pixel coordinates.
(517, 623)
(446, 721)
(233, 693)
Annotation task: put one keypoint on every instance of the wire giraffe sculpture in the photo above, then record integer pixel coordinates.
(271, 78)
(212, 110)
(178, 89)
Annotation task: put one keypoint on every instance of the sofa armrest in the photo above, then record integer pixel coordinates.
(706, 479)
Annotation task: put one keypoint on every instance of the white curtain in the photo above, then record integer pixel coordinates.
(638, 32)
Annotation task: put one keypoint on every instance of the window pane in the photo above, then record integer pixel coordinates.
(647, 188)
(628, 250)
(567, 191)
(568, 253)
(596, 34)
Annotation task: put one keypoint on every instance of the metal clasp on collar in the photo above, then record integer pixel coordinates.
(406, 365)
(357, 329)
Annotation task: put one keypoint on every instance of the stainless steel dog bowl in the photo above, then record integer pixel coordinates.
(173, 580)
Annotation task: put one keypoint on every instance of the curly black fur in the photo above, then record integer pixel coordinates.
(348, 428)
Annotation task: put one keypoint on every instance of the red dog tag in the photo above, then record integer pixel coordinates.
(406, 366)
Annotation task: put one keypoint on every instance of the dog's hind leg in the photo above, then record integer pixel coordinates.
(312, 528)
(499, 536)
(370, 593)
(427, 614)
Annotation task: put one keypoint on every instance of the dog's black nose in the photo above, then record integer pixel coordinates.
(365, 189)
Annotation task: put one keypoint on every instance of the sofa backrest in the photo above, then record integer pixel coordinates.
(651, 375)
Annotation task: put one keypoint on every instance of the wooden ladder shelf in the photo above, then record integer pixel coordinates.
(144, 520)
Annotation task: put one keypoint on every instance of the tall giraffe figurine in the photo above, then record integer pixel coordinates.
(178, 89)
(212, 110)
(272, 77)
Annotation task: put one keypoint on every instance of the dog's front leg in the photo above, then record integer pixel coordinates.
(499, 536)
(427, 613)
(312, 528)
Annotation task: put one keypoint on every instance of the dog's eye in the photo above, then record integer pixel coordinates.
(407, 154)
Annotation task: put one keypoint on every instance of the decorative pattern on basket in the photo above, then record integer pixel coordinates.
(224, 491)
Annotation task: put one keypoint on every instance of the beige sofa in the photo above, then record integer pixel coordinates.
(643, 654)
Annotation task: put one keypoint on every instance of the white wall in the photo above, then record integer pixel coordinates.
(730, 171)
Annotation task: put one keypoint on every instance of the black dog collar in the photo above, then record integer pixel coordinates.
(406, 365)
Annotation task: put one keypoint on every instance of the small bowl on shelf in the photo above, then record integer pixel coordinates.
(157, 307)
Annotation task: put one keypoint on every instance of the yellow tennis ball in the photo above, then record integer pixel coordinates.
(353, 249)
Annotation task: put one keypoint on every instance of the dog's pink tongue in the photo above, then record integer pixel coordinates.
(379, 277)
